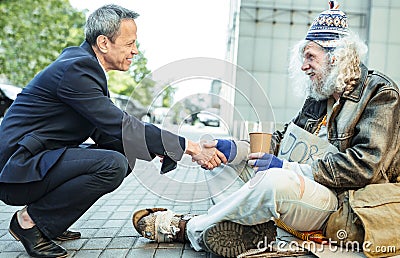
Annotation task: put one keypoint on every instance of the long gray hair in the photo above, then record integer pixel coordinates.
(106, 21)
(343, 74)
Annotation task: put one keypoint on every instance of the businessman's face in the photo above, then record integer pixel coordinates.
(123, 49)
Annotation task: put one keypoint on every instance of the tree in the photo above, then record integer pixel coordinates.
(33, 33)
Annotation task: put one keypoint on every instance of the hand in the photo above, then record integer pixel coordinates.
(228, 148)
(205, 154)
(261, 161)
(202, 155)
(216, 161)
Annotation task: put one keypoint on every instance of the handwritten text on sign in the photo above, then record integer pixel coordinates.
(301, 146)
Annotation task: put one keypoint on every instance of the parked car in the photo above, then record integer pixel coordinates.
(158, 114)
(8, 93)
(208, 118)
(131, 106)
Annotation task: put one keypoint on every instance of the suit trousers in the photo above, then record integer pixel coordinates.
(69, 189)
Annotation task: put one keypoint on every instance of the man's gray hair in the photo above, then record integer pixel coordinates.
(106, 21)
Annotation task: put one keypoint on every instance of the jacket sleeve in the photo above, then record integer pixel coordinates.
(84, 89)
(372, 143)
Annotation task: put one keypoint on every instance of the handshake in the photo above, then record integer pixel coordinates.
(210, 154)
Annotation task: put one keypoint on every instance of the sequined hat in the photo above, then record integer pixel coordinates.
(328, 27)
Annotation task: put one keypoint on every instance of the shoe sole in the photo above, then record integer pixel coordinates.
(66, 238)
(229, 239)
(13, 234)
(68, 235)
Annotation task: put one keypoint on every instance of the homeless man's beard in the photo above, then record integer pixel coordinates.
(323, 88)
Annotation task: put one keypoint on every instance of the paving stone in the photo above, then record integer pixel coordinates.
(73, 244)
(10, 254)
(101, 215)
(88, 232)
(123, 215)
(128, 231)
(144, 243)
(171, 245)
(95, 223)
(190, 253)
(168, 253)
(142, 253)
(122, 243)
(114, 223)
(14, 246)
(88, 253)
(114, 253)
(97, 243)
(107, 232)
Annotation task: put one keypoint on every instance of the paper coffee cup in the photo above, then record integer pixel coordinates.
(260, 142)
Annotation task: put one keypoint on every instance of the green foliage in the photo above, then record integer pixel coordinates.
(33, 33)
(166, 96)
(140, 88)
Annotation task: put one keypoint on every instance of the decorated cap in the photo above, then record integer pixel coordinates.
(328, 27)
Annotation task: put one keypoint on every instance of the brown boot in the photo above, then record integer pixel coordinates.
(161, 225)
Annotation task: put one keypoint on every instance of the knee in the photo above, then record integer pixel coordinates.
(278, 181)
(116, 167)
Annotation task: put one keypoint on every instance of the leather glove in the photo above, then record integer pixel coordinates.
(262, 161)
(228, 148)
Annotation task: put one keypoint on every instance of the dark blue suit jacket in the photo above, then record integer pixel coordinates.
(64, 105)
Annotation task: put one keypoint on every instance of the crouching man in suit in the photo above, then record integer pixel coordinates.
(41, 163)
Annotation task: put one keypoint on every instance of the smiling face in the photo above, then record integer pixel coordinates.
(118, 54)
(315, 63)
(318, 68)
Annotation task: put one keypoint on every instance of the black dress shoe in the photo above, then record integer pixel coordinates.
(68, 235)
(35, 242)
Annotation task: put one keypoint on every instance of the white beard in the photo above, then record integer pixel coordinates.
(318, 90)
(321, 90)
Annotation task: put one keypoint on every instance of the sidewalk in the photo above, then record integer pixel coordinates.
(107, 229)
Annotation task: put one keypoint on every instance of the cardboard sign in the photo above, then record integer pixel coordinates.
(300, 146)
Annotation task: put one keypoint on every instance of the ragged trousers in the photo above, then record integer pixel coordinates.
(298, 201)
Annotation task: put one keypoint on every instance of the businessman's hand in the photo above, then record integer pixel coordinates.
(205, 154)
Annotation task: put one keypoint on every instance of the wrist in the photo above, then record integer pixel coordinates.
(228, 148)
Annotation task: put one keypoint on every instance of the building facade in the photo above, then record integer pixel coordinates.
(262, 32)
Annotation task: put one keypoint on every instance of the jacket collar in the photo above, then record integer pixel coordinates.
(358, 90)
(85, 45)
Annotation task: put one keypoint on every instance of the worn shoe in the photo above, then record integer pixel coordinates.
(35, 242)
(229, 239)
(68, 235)
(161, 225)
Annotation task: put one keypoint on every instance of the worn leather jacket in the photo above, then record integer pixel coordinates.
(364, 126)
